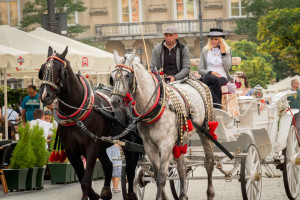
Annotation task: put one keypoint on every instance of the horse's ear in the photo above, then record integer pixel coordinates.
(50, 51)
(63, 55)
(41, 72)
(130, 59)
(117, 57)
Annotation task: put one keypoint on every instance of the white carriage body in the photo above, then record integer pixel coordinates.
(266, 123)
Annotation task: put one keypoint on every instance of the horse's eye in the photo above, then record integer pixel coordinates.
(127, 75)
(52, 88)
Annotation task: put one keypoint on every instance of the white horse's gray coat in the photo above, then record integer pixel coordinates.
(160, 137)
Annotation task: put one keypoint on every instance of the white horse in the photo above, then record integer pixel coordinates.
(160, 137)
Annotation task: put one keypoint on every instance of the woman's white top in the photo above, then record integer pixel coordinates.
(214, 62)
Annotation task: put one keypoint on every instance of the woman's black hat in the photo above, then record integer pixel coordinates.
(216, 32)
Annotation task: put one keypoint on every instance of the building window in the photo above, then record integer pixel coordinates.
(72, 18)
(237, 8)
(185, 9)
(9, 13)
(130, 10)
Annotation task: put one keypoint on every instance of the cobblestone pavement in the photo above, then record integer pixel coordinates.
(273, 189)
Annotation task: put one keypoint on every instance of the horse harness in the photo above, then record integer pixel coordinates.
(164, 93)
(47, 77)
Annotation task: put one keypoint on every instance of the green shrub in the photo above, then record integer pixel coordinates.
(23, 155)
(39, 146)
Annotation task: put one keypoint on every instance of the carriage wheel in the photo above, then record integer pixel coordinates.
(291, 170)
(251, 181)
(138, 184)
(175, 184)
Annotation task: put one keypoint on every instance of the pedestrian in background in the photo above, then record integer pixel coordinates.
(114, 152)
(29, 104)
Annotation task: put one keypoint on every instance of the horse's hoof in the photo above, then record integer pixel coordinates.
(93, 195)
(131, 196)
(106, 193)
(85, 198)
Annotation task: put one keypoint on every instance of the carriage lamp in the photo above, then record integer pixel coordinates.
(297, 161)
(257, 177)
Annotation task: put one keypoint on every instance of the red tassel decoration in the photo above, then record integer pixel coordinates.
(56, 158)
(190, 125)
(161, 73)
(183, 149)
(62, 156)
(176, 151)
(127, 99)
(51, 159)
(133, 103)
(212, 127)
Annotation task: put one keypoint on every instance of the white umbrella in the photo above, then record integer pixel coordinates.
(38, 47)
(10, 61)
(104, 61)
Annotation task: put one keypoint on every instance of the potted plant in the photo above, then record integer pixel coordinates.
(22, 158)
(60, 172)
(41, 154)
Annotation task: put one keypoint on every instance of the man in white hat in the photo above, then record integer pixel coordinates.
(171, 57)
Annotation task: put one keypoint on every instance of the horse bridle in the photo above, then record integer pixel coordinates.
(48, 77)
(119, 79)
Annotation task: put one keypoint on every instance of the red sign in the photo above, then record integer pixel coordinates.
(85, 62)
(20, 60)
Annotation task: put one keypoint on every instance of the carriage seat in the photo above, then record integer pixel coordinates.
(224, 118)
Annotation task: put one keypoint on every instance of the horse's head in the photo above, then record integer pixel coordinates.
(123, 80)
(52, 74)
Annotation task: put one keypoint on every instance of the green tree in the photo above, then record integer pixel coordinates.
(33, 10)
(279, 32)
(39, 146)
(259, 71)
(257, 9)
(255, 63)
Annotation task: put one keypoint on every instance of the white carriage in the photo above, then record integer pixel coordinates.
(261, 132)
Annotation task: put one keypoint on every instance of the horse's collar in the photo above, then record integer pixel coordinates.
(158, 108)
(82, 112)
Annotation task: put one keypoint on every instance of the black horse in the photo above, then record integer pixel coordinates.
(81, 125)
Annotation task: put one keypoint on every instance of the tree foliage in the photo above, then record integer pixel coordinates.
(33, 10)
(23, 155)
(255, 63)
(279, 32)
(257, 9)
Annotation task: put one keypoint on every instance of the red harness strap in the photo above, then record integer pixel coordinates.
(85, 114)
(160, 113)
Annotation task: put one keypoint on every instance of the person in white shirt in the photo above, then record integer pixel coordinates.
(39, 119)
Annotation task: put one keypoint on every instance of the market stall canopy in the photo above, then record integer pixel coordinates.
(38, 48)
(104, 61)
(282, 85)
(12, 59)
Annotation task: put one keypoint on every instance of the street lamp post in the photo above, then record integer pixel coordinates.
(200, 25)
(52, 23)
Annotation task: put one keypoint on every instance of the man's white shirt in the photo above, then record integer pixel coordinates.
(45, 125)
